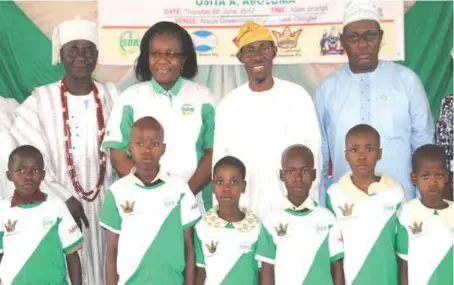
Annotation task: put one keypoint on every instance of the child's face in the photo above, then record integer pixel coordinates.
(146, 148)
(431, 178)
(362, 153)
(228, 185)
(298, 173)
(26, 172)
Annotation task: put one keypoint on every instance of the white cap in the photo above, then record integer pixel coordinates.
(357, 10)
(70, 31)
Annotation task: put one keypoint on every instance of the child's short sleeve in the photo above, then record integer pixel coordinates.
(208, 125)
(118, 127)
(190, 212)
(199, 256)
(110, 217)
(266, 248)
(336, 244)
(401, 241)
(70, 234)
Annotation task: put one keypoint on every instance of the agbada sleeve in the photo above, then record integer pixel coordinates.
(28, 130)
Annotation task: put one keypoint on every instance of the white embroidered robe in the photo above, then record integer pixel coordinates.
(39, 122)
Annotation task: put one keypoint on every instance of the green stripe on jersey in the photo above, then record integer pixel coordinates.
(380, 265)
(443, 274)
(244, 271)
(164, 260)
(46, 264)
(320, 271)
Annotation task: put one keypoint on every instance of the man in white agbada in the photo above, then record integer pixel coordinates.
(7, 113)
(65, 120)
(257, 121)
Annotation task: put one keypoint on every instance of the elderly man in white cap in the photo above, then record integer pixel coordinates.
(385, 95)
(66, 121)
(257, 121)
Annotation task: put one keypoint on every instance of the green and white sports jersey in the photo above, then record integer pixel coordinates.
(34, 239)
(301, 245)
(425, 239)
(186, 113)
(227, 250)
(150, 221)
(368, 225)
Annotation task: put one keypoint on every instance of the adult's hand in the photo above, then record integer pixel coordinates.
(77, 211)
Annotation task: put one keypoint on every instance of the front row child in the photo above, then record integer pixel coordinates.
(149, 217)
(303, 241)
(37, 230)
(226, 236)
(425, 234)
(365, 204)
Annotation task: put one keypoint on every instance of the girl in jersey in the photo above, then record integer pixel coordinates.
(165, 67)
(425, 228)
(226, 236)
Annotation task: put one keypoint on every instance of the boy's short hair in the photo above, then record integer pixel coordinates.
(428, 152)
(25, 148)
(363, 129)
(231, 161)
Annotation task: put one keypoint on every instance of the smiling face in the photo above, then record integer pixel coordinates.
(362, 40)
(258, 59)
(79, 58)
(166, 58)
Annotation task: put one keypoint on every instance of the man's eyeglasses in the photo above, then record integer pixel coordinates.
(171, 56)
(368, 36)
(263, 50)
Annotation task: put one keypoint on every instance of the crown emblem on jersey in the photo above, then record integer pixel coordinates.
(416, 228)
(128, 207)
(287, 39)
(347, 210)
(281, 230)
(212, 247)
(10, 226)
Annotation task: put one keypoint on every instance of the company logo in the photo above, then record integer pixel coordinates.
(129, 42)
(330, 43)
(204, 41)
(287, 39)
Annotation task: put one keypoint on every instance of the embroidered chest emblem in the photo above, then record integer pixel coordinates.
(212, 247)
(128, 207)
(281, 230)
(416, 228)
(187, 109)
(10, 226)
(347, 210)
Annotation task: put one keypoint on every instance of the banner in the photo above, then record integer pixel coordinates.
(304, 31)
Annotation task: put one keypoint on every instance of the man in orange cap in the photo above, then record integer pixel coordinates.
(257, 121)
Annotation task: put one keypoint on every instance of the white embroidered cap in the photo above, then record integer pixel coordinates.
(357, 10)
(70, 31)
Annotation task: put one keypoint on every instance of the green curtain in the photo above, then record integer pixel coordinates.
(428, 46)
(25, 53)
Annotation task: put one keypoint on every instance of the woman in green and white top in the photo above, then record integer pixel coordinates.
(165, 66)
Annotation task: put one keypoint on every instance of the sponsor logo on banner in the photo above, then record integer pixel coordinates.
(204, 41)
(330, 43)
(287, 39)
(129, 42)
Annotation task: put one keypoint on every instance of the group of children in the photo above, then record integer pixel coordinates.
(156, 235)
